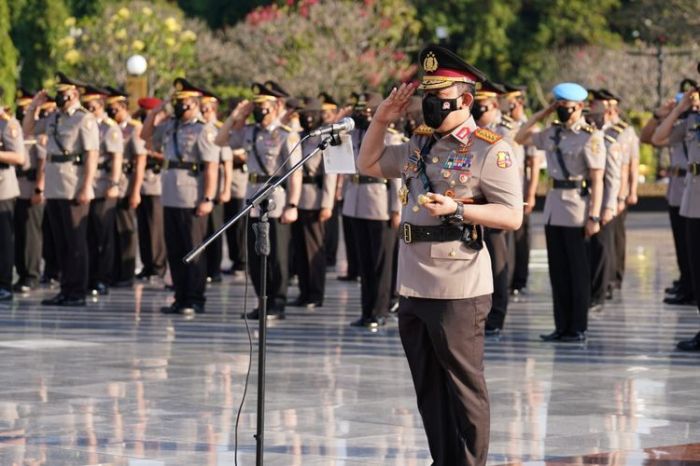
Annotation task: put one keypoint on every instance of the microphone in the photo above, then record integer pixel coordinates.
(346, 124)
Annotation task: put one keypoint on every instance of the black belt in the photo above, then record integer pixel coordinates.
(570, 184)
(154, 164)
(194, 167)
(238, 165)
(127, 168)
(694, 168)
(361, 179)
(29, 174)
(470, 235)
(65, 158)
(678, 172)
(313, 179)
(104, 166)
(259, 179)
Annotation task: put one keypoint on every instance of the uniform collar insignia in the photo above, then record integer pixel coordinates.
(463, 132)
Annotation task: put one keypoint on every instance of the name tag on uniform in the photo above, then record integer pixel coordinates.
(459, 162)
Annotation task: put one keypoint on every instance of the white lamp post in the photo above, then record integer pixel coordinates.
(136, 80)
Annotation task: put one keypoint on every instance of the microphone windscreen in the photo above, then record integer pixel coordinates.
(349, 123)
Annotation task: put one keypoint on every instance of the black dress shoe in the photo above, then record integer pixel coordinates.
(192, 309)
(347, 278)
(492, 331)
(300, 302)
(123, 284)
(25, 286)
(577, 337)
(609, 294)
(679, 300)
(394, 308)
(597, 307)
(100, 289)
(554, 336)
(174, 308)
(215, 279)
(674, 289)
(144, 275)
(690, 345)
(5, 295)
(55, 301)
(73, 302)
(272, 314)
(372, 323)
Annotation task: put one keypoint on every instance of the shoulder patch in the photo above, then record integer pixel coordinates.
(486, 135)
(423, 130)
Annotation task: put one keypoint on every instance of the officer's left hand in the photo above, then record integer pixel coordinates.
(112, 192)
(325, 214)
(36, 199)
(632, 199)
(224, 196)
(134, 200)
(395, 220)
(289, 215)
(592, 228)
(204, 208)
(621, 207)
(607, 216)
(83, 197)
(440, 205)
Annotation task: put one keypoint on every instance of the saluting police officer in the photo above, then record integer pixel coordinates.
(130, 183)
(268, 146)
(189, 189)
(102, 216)
(29, 208)
(12, 154)
(445, 277)
(372, 206)
(315, 209)
(576, 163)
(72, 151)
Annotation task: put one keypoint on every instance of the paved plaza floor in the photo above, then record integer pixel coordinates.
(118, 383)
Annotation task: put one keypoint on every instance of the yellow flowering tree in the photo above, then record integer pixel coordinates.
(96, 48)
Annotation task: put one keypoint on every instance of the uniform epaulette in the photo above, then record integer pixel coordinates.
(617, 129)
(557, 123)
(392, 131)
(507, 118)
(286, 128)
(82, 109)
(423, 130)
(110, 122)
(218, 123)
(609, 138)
(505, 124)
(587, 128)
(5, 117)
(135, 122)
(487, 135)
(622, 124)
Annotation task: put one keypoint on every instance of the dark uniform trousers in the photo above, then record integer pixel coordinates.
(69, 227)
(351, 252)
(568, 254)
(309, 235)
(49, 251)
(125, 243)
(28, 240)
(679, 230)
(692, 226)
(101, 221)
(235, 236)
(521, 255)
(185, 231)
(277, 265)
(332, 238)
(151, 238)
(215, 250)
(602, 248)
(497, 244)
(620, 248)
(374, 244)
(7, 243)
(444, 345)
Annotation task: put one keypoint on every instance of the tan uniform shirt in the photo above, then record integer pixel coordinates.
(111, 143)
(471, 163)
(134, 146)
(583, 150)
(11, 141)
(152, 184)
(269, 153)
(612, 178)
(690, 205)
(239, 179)
(76, 132)
(34, 153)
(318, 193)
(225, 155)
(192, 142)
(371, 201)
(679, 161)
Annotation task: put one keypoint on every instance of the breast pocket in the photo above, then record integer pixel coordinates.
(453, 251)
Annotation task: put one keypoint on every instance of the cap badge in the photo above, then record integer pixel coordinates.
(430, 63)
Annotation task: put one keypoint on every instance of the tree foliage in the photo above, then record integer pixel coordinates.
(8, 55)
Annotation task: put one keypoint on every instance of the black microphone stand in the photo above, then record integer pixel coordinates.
(262, 249)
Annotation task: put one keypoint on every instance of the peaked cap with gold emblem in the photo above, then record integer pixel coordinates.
(185, 89)
(443, 68)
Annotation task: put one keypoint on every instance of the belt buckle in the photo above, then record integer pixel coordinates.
(254, 178)
(407, 233)
(356, 179)
(694, 169)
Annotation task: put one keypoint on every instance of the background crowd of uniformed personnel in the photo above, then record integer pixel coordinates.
(85, 183)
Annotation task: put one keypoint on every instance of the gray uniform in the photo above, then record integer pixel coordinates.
(111, 142)
(679, 164)
(11, 140)
(134, 146)
(27, 173)
(690, 205)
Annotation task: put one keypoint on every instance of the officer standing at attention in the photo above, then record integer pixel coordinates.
(576, 163)
(29, 209)
(102, 216)
(189, 189)
(150, 210)
(73, 149)
(373, 208)
(130, 183)
(268, 148)
(445, 278)
(329, 115)
(12, 154)
(315, 209)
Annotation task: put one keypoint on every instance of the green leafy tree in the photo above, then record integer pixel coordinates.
(8, 55)
(674, 22)
(220, 13)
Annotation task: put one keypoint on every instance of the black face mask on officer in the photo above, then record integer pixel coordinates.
(361, 119)
(259, 114)
(180, 108)
(62, 99)
(564, 113)
(112, 112)
(478, 111)
(310, 120)
(596, 119)
(19, 114)
(435, 109)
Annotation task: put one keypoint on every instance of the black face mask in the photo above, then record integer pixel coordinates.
(361, 120)
(410, 126)
(564, 113)
(112, 112)
(61, 100)
(435, 109)
(260, 113)
(180, 108)
(596, 119)
(44, 114)
(478, 111)
(310, 120)
(19, 114)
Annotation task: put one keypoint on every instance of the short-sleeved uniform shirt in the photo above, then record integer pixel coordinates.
(583, 149)
(34, 152)
(134, 146)
(225, 155)
(192, 142)
(111, 143)
(318, 189)
(270, 152)
(75, 132)
(12, 141)
(690, 205)
(612, 178)
(679, 161)
(469, 163)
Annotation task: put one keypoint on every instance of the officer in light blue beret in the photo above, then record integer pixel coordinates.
(576, 156)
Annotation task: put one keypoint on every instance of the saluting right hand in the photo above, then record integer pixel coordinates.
(395, 105)
(242, 110)
(548, 110)
(40, 98)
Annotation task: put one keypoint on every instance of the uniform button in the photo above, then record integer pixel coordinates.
(452, 253)
(436, 160)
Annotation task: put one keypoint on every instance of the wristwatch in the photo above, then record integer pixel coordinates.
(457, 218)
(38, 191)
(291, 206)
(114, 184)
(594, 219)
(208, 199)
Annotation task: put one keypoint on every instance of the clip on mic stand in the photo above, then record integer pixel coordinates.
(262, 249)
